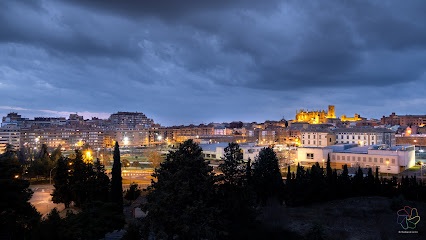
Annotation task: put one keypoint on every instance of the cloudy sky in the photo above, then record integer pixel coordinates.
(193, 61)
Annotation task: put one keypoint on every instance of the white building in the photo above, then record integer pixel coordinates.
(317, 138)
(365, 136)
(9, 134)
(389, 160)
(216, 151)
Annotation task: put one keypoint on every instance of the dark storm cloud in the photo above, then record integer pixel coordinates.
(172, 59)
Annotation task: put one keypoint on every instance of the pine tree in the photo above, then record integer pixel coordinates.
(17, 216)
(116, 180)
(232, 166)
(181, 201)
(62, 191)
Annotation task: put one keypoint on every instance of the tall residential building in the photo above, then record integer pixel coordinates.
(9, 135)
(13, 118)
(131, 120)
(68, 138)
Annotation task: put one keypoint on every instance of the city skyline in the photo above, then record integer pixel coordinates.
(212, 61)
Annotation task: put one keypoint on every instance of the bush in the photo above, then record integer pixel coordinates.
(133, 193)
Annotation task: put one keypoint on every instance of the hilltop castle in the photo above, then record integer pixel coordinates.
(315, 117)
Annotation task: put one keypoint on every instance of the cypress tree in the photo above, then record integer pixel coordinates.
(329, 170)
(116, 180)
(267, 176)
(288, 174)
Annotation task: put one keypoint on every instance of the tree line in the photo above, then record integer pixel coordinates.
(98, 200)
(188, 200)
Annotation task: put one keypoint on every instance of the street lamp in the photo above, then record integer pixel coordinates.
(387, 169)
(50, 176)
(323, 163)
(421, 170)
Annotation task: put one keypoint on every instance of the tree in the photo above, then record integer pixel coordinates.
(42, 164)
(133, 192)
(62, 191)
(125, 163)
(116, 180)
(17, 216)
(180, 202)
(235, 196)
(267, 177)
(155, 159)
(233, 165)
(136, 164)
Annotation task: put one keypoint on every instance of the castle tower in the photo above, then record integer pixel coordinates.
(331, 113)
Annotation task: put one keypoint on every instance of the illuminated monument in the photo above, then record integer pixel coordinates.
(317, 117)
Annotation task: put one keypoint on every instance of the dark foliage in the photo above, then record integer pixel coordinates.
(116, 180)
(133, 192)
(267, 179)
(180, 200)
(17, 216)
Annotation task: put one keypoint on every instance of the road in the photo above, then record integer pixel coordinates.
(42, 200)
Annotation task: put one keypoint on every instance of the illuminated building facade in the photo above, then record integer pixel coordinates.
(315, 117)
(9, 135)
(318, 138)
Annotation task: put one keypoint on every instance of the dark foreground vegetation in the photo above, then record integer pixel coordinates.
(188, 200)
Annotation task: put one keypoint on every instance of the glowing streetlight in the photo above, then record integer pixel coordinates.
(88, 154)
(387, 170)
(126, 140)
(159, 137)
(323, 163)
(16, 176)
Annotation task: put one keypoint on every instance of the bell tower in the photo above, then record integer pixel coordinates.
(331, 113)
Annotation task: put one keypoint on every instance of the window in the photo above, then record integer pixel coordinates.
(381, 160)
(309, 156)
(213, 155)
(314, 142)
(319, 142)
(338, 157)
(359, 159)
(330, 139)
(319, 136)
(353, 159)
(314, 136)
(347, 137)
(353, 137)
(372, 137)
(365, 138)
(309, 136)
(369, 159)
(375, 160)
(309, 141)
(303, 141)
(359, 137)
(393, 160)
(364, 159)
(343, 158)
(333, 157)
